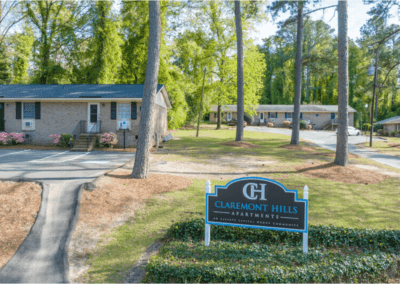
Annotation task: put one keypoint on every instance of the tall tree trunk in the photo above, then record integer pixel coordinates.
(373, 99)
(299, 72)
(342, 146)
(240, 84)
(219, 117)
(142, 166)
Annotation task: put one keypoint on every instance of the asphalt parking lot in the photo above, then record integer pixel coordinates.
(51, 166)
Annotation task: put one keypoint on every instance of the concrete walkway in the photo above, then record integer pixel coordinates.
(43, 256)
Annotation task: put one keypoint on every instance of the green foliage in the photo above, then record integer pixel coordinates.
(367, 125)
(378, 126)
(254, 255)
(303, 124)
(65, 140)
(5, 66)
(238, 262)
(392, 133)
(318, 235)
(23, 44)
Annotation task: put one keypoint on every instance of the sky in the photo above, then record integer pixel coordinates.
(357, 17)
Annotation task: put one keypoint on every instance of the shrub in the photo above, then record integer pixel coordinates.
(63, 140)
(378, 126)
(108, 139)
(392, 133)
(286, 123)
(380, 131)
(4, 138)
(16, 138)
(303, 124)
(329, 236)
(270, 124)
(367, 125)
(309, 127)
(385, 132)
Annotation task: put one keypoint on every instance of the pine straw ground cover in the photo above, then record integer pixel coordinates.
(19, 205)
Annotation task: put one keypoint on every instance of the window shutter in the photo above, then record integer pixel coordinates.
(285, 114)
(113, 110)
(332, 115)
(133, 110)
(18, 109)
(276, 115)
(301, 115)
(37, 110)
(269, 115)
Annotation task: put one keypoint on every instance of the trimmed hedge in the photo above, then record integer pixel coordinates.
(318, 235)
(232, 262)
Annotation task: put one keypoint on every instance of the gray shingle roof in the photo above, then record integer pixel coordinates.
(394, 119)
(72, 91)
(288, 108)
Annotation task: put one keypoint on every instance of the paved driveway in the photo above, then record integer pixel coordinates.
(327, 139)
(52, 166)
(43, 256)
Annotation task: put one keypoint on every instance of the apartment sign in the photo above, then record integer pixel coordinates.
(255, 202)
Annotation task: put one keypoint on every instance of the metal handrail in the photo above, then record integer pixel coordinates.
(79, 128)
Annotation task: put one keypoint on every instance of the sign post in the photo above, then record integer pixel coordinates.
(207, 228)
(259, 203)
(305, 235)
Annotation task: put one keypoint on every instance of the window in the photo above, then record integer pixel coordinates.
(215, 115)
(124, 111)
(272, 115)
(229, 116)
(288, 115)
(261, 115)
(29, 110)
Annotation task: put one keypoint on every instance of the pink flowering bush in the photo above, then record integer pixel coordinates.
(4, 138)
(56, 138)
(11, 138)
(108, 140)
(63, 140)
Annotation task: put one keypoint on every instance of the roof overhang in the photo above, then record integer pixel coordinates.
(164, 93)
(69, 99)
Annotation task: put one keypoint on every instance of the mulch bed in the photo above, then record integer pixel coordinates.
(241, 144)
(349, 174)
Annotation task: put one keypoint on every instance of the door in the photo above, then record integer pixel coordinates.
(261, 117)
(2, 126)
(93, 117)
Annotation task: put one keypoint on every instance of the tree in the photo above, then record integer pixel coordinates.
(299, 70)
(240, 91)
(295, 6)
(141, 166)
(342, 146)
(22, 44)
(56, 23)
(104, 50)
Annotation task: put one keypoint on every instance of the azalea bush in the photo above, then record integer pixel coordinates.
(63, 140)
(11, 138)
(108, 140)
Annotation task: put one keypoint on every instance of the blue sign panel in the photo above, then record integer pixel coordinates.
(256, 202)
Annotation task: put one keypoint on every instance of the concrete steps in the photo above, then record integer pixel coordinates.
(82, 143)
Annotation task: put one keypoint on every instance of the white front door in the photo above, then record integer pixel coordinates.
(93, 122)
(229, 116)
(261, 117)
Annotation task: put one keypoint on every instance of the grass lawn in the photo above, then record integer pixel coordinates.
(389, 147)
(330, 202)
